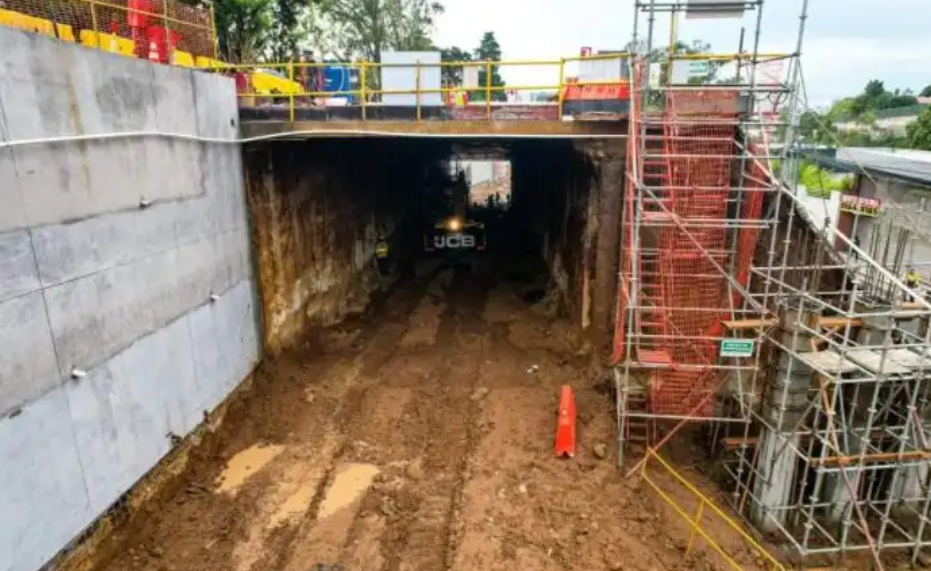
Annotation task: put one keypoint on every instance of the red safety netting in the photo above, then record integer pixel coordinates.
(688, 233)
(699, 129)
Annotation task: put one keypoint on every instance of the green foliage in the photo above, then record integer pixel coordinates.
(872, 99)
(286, 30)
(489, 50)
(819, 182)
(919, 132)
(926, 92)
(243, 28)
(452, 75)
(368, 27)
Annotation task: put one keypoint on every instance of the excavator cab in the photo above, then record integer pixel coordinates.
(453, 235)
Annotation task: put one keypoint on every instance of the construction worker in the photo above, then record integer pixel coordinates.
(912, 280)
(381, 255)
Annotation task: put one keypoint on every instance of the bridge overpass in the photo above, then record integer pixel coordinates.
(171, 226)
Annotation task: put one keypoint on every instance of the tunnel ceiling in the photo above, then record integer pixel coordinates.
(473, 148)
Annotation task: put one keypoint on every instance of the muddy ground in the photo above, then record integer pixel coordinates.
(419, 438)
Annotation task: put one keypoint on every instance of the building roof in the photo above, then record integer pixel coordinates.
(903, 164)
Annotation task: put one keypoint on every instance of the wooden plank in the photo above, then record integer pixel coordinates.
(736, 441)
(871, 458)
(836, 321)
(738, 324)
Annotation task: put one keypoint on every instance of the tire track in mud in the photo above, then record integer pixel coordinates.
(376, 407)
(314, 448)
(438, 432)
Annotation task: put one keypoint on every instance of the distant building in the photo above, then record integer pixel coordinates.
(894, 120)
(891, 190)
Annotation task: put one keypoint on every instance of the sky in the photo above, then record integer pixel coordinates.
(846, 42)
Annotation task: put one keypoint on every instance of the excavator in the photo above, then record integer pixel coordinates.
(454, 236)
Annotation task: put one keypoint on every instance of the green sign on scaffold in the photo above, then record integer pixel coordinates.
(737, 347)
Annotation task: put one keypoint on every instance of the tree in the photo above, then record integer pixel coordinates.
(367, 27)
(288, 29)
(919, 132)
(452, 74)
(242, 28)
(926, 92)
(489, 50)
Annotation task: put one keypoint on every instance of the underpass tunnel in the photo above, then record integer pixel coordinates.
(320, 206)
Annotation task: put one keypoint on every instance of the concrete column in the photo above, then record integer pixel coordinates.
(786, 400)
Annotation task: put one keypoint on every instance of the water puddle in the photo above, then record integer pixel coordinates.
(350, 482)
(245, 464)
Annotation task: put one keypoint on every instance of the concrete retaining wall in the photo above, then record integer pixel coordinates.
(89, 279)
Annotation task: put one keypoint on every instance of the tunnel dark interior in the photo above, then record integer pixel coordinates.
(320, 206)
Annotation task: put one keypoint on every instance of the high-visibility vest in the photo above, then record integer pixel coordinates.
(912, 279)
(381, 250)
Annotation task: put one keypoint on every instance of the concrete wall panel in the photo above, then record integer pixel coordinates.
(43, 502)
(94, 317)
(89, 279)
(173, 92)
(245, 348)
(208, 366)
(13, 213)
(124, 411)
(68, 251)
(17, 265)
(216, 106)
(204, 268)
(27, 358)
(198, 218)
(226, 346)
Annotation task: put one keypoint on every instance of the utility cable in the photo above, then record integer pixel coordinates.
(321, 133)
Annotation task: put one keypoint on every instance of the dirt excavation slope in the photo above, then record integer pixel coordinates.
(416, 440)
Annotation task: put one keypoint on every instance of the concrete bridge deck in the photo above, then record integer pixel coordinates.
(465, 129)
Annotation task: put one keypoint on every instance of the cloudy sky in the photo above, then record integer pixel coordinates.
(847, 42)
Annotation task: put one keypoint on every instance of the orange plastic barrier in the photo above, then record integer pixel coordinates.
(565, 427)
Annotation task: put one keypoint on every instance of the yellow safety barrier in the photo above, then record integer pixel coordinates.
(36, 25)
(300, 82)
(695, 522)
(108, 43)
(182, 59)
(151, 26)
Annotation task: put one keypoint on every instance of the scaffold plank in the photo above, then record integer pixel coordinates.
(873, 361)
(829, 361)
(909, 359)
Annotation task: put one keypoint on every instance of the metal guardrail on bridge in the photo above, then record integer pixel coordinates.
(171, 32)
(293, 88)
(299, 85)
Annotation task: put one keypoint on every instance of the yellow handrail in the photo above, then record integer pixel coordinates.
(695, 523)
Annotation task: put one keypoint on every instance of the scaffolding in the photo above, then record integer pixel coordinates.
(805, 357)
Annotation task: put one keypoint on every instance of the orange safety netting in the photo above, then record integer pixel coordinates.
(699, 146)
(685, 239)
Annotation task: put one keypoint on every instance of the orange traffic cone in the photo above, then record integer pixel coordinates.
(153, 52)
(565, 427)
